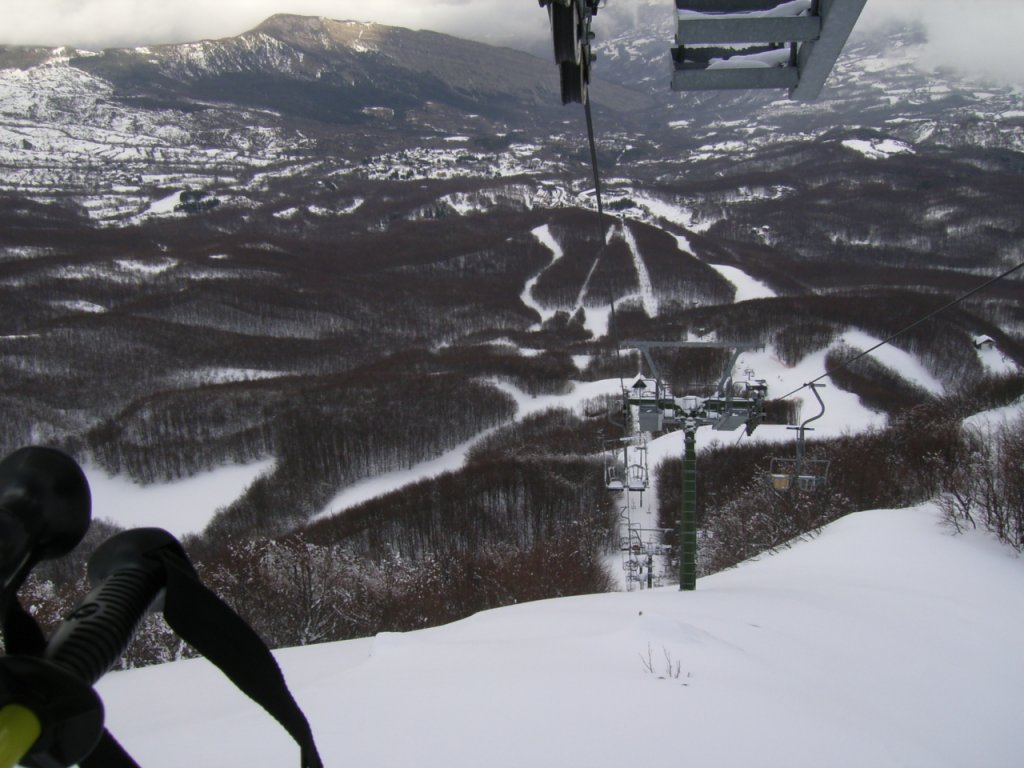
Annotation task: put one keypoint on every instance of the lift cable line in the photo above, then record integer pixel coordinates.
(602, 242)
(593, 164)
(919, 321)
(625, 459)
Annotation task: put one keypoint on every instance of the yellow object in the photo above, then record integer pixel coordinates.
(19, 729)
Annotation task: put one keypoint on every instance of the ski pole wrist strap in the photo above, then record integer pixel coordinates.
(210, 626)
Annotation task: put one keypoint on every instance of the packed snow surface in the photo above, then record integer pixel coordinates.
(885, 641)
(747, 287)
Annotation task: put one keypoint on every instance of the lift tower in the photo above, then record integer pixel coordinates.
(658, 410)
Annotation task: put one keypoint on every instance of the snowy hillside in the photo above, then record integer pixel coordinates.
(885, 641)
(187, 506)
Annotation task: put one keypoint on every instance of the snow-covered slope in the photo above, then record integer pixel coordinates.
(182, 507)
(886, 641)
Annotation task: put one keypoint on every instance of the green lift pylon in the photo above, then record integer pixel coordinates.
(688, 513)
(658, 410)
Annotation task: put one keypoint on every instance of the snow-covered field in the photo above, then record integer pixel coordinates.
(886, 641)
(181, 507)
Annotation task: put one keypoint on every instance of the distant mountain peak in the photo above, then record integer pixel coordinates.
(319, 32)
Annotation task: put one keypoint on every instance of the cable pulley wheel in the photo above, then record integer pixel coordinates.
(565, 32)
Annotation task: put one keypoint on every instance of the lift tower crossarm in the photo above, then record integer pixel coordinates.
(737, 346)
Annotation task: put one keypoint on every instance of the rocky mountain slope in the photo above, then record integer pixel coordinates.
(113, 128)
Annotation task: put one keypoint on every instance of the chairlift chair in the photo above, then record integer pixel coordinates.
(625, 465)
(780, 480)
(799, 472)
(636, 469)
(615, 473)
(758, 44)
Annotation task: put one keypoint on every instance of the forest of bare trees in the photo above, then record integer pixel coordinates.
(348, 347)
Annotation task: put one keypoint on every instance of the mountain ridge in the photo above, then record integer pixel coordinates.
(340, 56)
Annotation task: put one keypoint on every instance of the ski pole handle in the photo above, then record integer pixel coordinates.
(19, 729)
(128, 579)
(48, 717)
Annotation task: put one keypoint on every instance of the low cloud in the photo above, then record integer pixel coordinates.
(979, 39)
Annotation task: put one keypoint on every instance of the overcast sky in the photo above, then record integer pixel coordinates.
(977, 35)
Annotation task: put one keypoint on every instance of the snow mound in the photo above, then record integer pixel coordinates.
(878, 150)
(886, 641)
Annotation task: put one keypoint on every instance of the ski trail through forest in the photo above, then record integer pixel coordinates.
(647, 297)
(544, 236)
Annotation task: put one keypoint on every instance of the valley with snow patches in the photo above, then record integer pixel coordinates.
(331, 302)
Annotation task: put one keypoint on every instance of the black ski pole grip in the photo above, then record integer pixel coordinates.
(45, 510)
(128, 579)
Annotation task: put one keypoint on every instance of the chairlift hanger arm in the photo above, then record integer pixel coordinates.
(814, 389)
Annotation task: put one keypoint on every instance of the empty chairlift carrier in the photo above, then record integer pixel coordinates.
(799, 472)
(758, 44)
